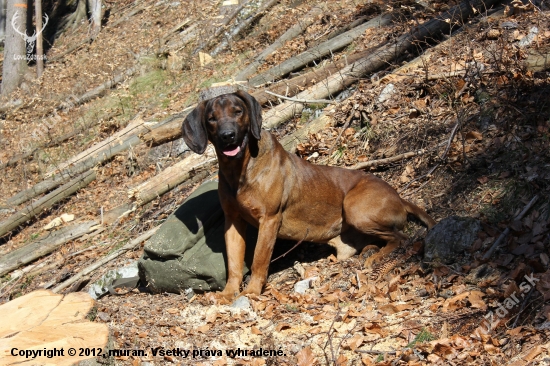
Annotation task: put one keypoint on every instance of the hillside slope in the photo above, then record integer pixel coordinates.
(458, 124)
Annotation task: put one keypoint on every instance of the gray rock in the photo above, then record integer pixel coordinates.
(387, 93)
(509, 25)
(529, 38)
(101, 286)
(450, 238)
(242, 302)
(301, 286)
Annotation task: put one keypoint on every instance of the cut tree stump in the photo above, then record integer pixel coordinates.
(42, 320)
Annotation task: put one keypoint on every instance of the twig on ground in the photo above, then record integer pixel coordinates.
(521, 309)
(291, 249)
(330, 332)
(505, 233)
(345, 127)
(15, 281)
(304, 101)
(393, 159)
(443, 157)
(373, 352)
(86, 271)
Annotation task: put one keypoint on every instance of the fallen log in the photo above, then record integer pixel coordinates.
(291, 87)
(43, 246)
(109, 84)
(97, 154)
(172, 177)
(172, 131)
(46, 202)
(168, 132)
(433, 29)
(37, 189)
(357, 22)
(318, 52)
(291, 33)
(242, 25)
(218, 28)
(86, 271)
(54, 142)
(43, 321)
(135, 127)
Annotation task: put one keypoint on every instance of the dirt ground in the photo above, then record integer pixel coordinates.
(473, 104)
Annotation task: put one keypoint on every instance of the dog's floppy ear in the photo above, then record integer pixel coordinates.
(254, 112)
(194, 129)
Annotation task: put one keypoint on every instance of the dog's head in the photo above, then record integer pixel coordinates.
(227, 121)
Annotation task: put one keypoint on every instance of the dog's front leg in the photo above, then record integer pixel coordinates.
(235, 230)
(267, 235)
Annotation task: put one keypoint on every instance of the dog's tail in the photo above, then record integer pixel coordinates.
(419, 213)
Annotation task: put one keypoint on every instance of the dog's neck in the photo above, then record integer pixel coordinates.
(232, 170)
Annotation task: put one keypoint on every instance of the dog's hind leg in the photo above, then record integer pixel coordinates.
(394, 240)
(375, 209)
(343, 250)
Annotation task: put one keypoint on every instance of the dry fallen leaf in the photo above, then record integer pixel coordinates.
(282, 326)
(354, 342)
(306, 358)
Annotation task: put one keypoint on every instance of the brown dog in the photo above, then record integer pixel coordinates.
(285, 196)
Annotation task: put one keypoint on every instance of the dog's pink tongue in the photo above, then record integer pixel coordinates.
(232, 152)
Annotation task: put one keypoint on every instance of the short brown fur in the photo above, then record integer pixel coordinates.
(287, 197)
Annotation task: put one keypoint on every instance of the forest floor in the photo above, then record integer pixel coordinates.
(473, 103)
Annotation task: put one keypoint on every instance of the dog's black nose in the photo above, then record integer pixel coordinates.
(227, 136)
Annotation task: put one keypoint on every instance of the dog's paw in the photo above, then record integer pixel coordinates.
(251, 289)
(228, 294)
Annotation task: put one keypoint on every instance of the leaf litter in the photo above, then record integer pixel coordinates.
(403, 311)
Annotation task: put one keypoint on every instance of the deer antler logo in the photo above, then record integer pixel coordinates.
(29, 40)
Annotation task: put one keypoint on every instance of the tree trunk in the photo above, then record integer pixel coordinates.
(94, 9)
(39, 43)
(2, 21)
(15, 64)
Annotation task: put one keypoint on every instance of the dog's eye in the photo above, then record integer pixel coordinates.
(211, 120)
(238, 112)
